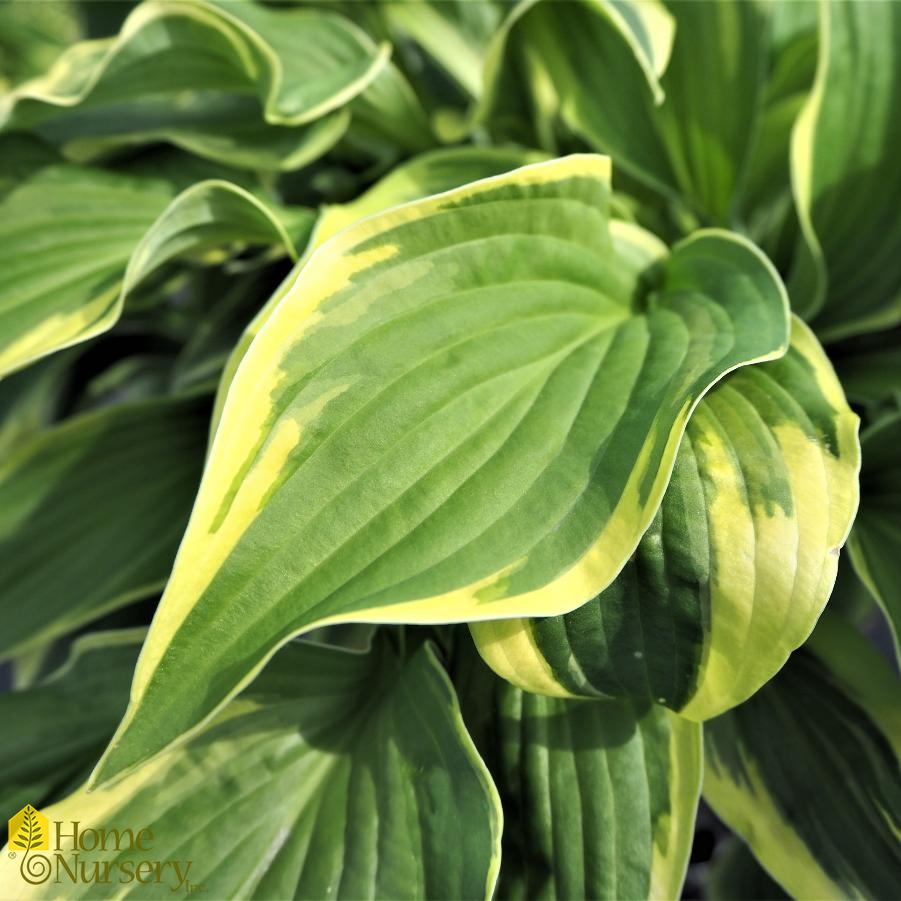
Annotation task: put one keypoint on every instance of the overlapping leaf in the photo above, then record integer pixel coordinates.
(766, 201)
(353, 772)
(600, 796)
(237, 82)
(671, 95)
(462, 409)
(845, 177)
(536, 72)
(875, 543)
(74, 242)
(91, 513)
(807, 771)
(738, 564)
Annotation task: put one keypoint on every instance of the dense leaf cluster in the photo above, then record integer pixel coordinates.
(444, 416)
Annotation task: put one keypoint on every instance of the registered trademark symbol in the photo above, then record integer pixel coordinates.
(12, 855)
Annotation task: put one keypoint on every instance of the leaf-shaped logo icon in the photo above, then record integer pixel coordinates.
(29, 831)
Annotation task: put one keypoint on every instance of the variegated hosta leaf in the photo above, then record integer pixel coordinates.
(465, 408)
(669, 92)
(353, 769)
(808, 771)
(847, 183)
(91, 513)
(424, 175)
(875, 542)
(238, 82)
(736, 567)
(74, 242)
(59, 727)
(600, 796)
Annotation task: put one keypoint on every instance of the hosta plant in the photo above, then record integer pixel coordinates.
(429, 432)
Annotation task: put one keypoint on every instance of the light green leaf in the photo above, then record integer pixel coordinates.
(600, 795)
(75, 242)
(354, 771)
(462, 409)
(91, 512)
(60, 726)
(807, 771)
(736, 567)
(875, 542)
(244, 84)
(846, 181)
(683, 122)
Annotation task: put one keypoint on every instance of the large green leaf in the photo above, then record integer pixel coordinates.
(596, 66)
(335, 775)
(736, 567)
(807, 771)
(91, 513)
(59, 727)
(245, 84)
(74, 242)
(875, 542)
(462, 409)
(845, 177)
(600, 796)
